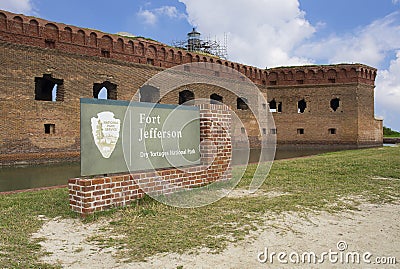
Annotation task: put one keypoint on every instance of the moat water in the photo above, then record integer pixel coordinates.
(47, 175)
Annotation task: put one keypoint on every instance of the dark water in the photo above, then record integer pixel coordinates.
(36, 176)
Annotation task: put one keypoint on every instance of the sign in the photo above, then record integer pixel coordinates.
(121, 136)
(105, 130)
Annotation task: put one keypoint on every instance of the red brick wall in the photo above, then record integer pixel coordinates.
(20, 29)
(77, 59)
(88, 195)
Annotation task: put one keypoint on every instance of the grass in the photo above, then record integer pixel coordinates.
(392, 136)
(330, 182)
(20, 219)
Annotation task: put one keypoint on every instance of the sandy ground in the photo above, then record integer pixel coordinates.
(375, 230)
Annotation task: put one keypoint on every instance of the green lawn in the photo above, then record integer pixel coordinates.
(330, 182)
(392, 136)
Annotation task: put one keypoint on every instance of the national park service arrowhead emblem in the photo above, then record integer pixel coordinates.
(105, 130)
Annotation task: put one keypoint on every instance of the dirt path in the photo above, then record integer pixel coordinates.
(375, 230)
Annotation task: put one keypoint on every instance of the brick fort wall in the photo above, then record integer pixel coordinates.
(37, 54)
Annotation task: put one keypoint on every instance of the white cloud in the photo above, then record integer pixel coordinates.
(151, 17)
(371, 45)
(388, 93)
(148, 16)
(170, 11)
(17, 6)
(368, 45)
(276, 33)
(260, 32)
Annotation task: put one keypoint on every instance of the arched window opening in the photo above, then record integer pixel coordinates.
(242, 103)
(216, 99)
(301, 106)
(272, 106)
(185, 97)
(149, 94)
(105, 90)
(48, 88)
(335, 104)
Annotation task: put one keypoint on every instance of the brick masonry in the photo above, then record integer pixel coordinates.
(32, 47)
(89, 195)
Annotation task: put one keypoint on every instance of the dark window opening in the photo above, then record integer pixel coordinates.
(335, 103)
(300, 131)
(215, 98)
(149, 94)
(150, 61)
(332, 131)
(332, 80)
(272, 82)
(49, 128)
(243, 130)
(264, 82)
(264, 131)
(273, 131)
(50, 44)
(272, 105)
(301, 106)
(105, 90)
(185, 97)
(48, 88)
(241, 103)
(300, 81)
(105, 53)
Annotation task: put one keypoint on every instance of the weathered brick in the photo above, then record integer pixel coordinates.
(75, 59)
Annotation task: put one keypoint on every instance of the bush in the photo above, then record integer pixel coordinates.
(389, 132)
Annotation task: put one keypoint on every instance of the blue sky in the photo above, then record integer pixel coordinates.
(263, 33)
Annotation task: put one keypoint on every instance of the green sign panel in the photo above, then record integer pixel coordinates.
(121, 136)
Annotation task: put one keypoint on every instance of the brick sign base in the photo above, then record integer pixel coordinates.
(89, 195)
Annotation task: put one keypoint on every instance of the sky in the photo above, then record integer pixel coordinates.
(262, 33)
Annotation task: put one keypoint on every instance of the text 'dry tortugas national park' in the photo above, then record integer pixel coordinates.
(49, 69)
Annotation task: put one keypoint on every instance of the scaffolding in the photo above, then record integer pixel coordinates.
(194, 43)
